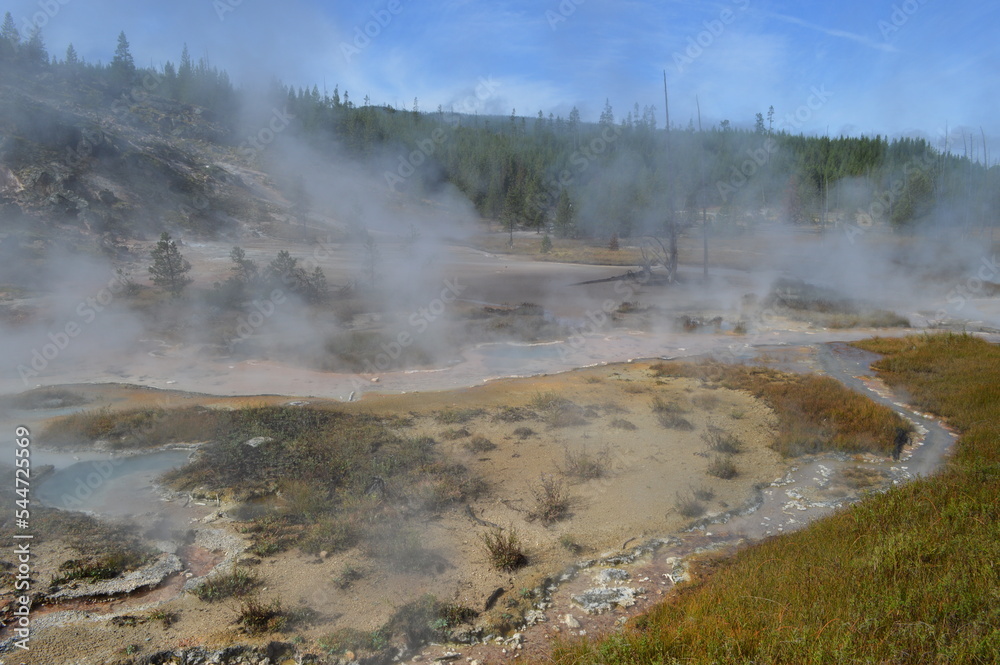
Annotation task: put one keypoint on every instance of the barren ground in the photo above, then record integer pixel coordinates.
(633, 502)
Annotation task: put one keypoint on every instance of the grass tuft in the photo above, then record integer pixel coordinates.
(722, 467)
(721, 441)
(258, 616)
(622, 424)
(551, 501)
(689, 506)
(584, 465)
(237, 583)
(479, 444)
(503, 550)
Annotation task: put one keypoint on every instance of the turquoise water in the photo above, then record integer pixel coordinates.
(520, 358)
(110, 485)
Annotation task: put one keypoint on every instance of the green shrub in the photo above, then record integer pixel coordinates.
(238, 583)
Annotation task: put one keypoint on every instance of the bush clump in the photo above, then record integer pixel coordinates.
(551, 501)
(504, 550)
(721, 441)
(584, 465)
(480, 444)
(238, 583)
(722, 467)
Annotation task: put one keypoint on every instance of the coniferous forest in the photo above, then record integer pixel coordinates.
(624, 175)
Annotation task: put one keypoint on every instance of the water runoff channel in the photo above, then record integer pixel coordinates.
(112, 485)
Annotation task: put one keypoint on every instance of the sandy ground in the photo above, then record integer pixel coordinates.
(635, 501)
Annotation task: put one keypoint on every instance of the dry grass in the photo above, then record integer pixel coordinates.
(721, 441)
(479, 444)
(723, 467)
(136, 428)
(689, 506)
(238, 583)
(457, 416)
(557, 411)
(621, 423)
(551, 501)
(504, 550)
(858, 477)
(325, 475)
(706, 401)
(920, 559)
(563, 250)
(815, 413)
(257, 616)
(513, 414)
(584, 465)
(668, 414)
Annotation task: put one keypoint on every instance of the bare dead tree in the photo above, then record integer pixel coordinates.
(654, 252)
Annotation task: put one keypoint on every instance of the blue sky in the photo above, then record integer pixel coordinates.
(854, 66)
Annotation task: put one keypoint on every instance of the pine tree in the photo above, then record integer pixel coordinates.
(169, 269)
(564, 215)
(72, 60)
(10, 38)
(34, 53)
(285, 271)
(185, 77)
(244, 270)
(607, 115)
(318, 289)
(574, 119)
(123, 65)
(915, 200)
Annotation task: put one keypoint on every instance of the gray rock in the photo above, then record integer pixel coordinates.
(599, 599)
(148, 577)
(610, 575)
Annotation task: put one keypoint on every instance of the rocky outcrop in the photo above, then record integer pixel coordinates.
(121, 168)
